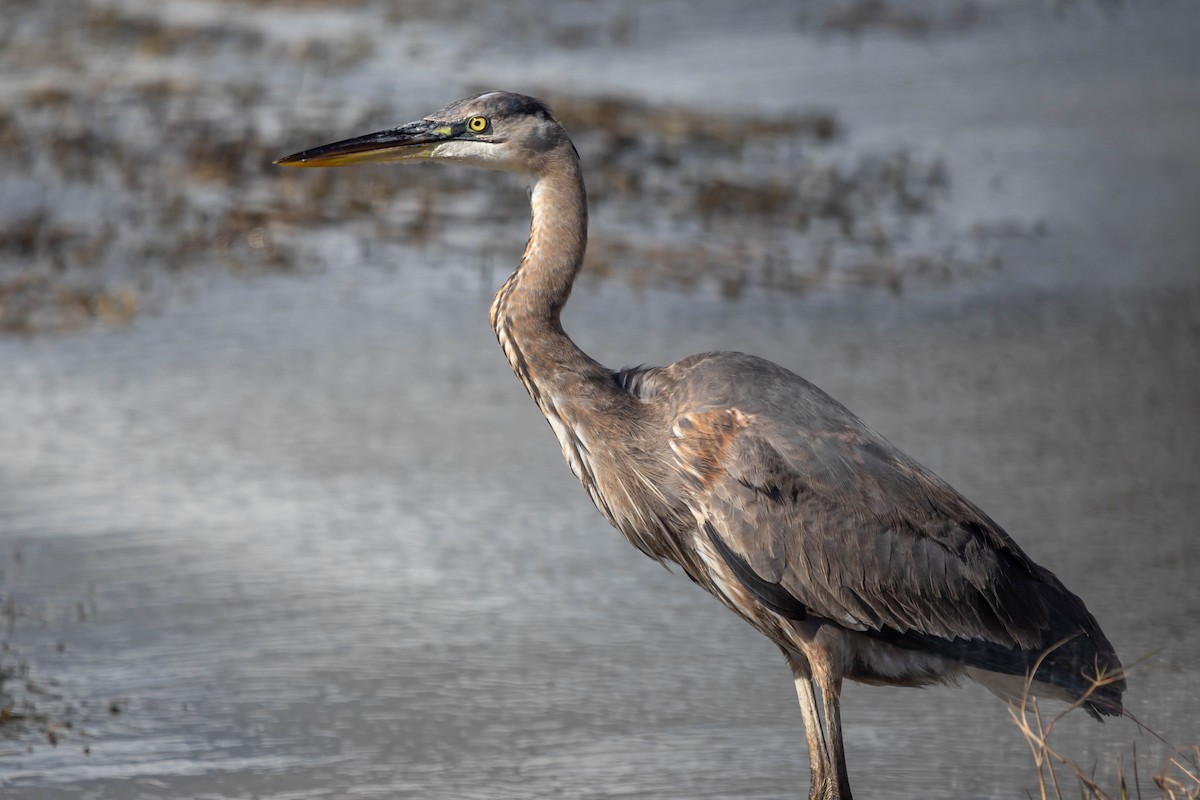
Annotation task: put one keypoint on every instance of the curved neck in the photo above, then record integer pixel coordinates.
(525, 312)
(579, 398)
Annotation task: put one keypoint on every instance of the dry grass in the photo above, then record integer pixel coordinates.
(1178, 777)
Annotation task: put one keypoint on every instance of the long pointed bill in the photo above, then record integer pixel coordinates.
(413, 141)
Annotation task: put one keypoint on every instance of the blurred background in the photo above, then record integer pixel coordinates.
(276, 520)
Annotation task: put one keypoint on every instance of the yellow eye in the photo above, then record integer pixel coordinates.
(477, 124)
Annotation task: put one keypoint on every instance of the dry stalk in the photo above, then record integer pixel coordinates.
(1178, 778)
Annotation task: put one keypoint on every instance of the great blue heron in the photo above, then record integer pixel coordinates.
(850, 556)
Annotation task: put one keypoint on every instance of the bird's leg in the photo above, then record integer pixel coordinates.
(818, 754)
(831, 701)
(817, 665)
(820, 764)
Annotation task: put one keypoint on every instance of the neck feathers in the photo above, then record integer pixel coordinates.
(554, 253)
(591, 415)
(525, 312)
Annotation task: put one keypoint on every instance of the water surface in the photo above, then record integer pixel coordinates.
(305, 537)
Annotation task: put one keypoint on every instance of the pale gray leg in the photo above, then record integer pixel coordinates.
(831, 700)
(817, 666)
(818, 754)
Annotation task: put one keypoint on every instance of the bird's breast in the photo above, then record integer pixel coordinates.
(573, 442)
(626, 492)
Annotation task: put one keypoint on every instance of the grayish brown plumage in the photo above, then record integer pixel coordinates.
(854, 559)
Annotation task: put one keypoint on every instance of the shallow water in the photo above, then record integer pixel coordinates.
(326, 546)
(307, 537)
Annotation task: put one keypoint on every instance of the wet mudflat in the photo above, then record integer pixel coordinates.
(305, 536)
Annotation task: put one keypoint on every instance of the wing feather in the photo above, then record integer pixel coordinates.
(817, 506)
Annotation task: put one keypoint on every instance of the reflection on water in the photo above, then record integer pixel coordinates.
(307, 537)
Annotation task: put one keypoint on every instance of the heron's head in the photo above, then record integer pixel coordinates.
(498, 130)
